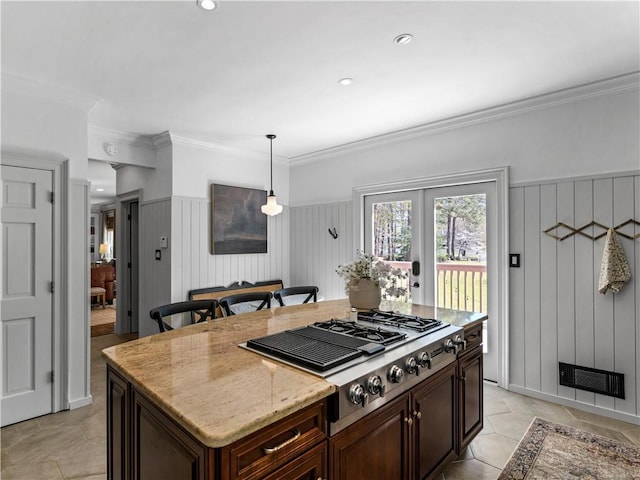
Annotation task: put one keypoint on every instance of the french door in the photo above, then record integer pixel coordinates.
(445, 237)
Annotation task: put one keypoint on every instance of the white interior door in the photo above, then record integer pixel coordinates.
(27, 300)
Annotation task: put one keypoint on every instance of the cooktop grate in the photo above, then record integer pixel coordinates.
(312, 348)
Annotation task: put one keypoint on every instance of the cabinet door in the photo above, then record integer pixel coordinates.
(470, 419)
(435, 433)
(374, 448)
(161, 449)
(310, 466)
(118, 423)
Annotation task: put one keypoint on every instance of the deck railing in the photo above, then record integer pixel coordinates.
(461, 286)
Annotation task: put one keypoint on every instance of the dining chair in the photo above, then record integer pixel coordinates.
(310, 291)
(200, 310)
(251, 301)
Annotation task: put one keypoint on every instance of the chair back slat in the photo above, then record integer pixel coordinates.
(217, 293)
(246, 298)
(201, 310)
(311, 292)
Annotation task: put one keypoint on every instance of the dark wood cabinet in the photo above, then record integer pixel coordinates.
(434, 413)
(161, 449)
(412, 437)
(118, 421)
(374, 448)
(470, 396)
(262, 452)
(144, 443)
(309, 466)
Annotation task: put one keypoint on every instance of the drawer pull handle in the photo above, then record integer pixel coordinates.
(269, 451)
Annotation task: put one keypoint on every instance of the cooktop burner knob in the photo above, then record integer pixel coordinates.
(375, 386)
(449, 346)
(411, 366)
(357, 395)
(424, 360)
(396, 374)
(458, 340)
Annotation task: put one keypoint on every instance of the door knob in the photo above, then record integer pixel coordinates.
(415, 285)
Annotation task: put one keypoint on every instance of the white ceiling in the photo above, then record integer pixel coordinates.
(251, 68)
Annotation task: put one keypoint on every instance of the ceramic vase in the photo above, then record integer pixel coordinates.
(364, 294)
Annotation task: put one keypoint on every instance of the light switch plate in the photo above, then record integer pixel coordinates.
(514, 260)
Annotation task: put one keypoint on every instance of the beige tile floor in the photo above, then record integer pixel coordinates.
(72, 444)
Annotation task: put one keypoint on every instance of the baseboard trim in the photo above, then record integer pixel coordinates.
(81, 402)
(605, 412)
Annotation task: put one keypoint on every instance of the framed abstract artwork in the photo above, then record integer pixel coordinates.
(237, 224)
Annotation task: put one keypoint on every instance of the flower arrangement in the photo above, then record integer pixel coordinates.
(366, 266)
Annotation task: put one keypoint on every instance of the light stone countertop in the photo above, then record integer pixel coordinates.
(220, 392)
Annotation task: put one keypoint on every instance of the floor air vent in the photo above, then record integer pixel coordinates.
(592, 380)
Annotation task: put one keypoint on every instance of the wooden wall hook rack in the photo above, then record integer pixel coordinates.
(580, 231)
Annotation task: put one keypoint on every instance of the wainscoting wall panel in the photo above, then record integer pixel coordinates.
(315, 254)
(557, 314)
(195, 267)
(155, 283)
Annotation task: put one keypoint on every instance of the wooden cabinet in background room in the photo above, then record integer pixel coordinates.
(411, 438)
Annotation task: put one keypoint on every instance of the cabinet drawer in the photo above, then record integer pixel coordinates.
(473, 336)
(268, 449)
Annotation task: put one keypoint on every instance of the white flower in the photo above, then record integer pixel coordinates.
(366, 266)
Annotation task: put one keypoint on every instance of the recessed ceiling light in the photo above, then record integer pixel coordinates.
(99, 189)
(207, 4)
(345, 81)
(403, 38)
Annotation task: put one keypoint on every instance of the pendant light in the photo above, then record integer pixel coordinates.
(271, 208)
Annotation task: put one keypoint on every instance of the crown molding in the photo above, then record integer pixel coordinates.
(161, 140)
(120, 138)
(31, 88)
(607, 86)
(172, 138)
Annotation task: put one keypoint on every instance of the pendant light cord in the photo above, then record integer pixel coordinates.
(271, 136)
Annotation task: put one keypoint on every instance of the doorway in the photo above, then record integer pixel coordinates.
(128, 267)
(451, 239)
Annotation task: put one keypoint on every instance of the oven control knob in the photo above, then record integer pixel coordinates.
(396, 374)
(375, 386)
(411, 366)
(424, 360)
(357, 395)
(449, 346)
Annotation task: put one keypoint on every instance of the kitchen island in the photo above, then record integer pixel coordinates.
(191, 403)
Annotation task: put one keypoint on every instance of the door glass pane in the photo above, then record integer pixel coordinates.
(461, 253)
(392, 239)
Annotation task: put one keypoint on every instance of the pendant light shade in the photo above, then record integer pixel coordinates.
(271, 208)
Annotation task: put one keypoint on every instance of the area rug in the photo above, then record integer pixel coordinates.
(552, 451)
(102, 320)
